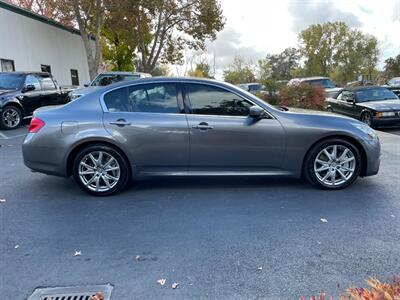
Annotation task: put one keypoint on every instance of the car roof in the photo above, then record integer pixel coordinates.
(363, 88)
(26, 73)
(121, 73)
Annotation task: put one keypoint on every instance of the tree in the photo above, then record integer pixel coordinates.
(201, 70)
(392, 67)
(240, 71)
(279, 66)
(165, 27)
(336, 49)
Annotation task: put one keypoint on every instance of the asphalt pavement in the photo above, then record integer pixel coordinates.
(220, 238)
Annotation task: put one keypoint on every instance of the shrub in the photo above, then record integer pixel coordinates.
(302, 96)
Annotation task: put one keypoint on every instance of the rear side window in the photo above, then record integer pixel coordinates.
(210, 100)
(150, 98)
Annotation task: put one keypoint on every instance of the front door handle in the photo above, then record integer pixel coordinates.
(120, 123)
(202, 126)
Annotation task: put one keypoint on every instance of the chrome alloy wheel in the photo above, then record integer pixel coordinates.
(99, 171)
(334, 165)
(11, 117)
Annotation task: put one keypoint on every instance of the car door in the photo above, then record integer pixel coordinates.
(224, 137)
(343, 105)
(50, 93)
(150, 123)
(31, 96)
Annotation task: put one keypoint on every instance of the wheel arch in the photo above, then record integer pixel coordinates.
(75, 150)
(351, 140)
(15, 104)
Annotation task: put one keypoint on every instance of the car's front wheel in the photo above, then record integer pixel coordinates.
(10, 118)
(333, 164)
(366, 117)
(101, 170)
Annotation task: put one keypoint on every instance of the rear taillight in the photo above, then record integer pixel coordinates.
(36, 125)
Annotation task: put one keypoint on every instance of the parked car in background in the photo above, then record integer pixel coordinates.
(196, 127)
(104, 79)
(330, 88)
(23, 92)
(373, 105)
(394, 85)
(253, 88)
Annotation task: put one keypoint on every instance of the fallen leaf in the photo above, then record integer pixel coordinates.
(97, 296)
(77, 253)
(392, 216)
(259, 268)
(175, 285)
(324, 220)
(16, 246)
(162, 281)
(2, 200)
(319, 243)
(138, 258)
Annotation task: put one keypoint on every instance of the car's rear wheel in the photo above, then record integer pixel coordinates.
(333, 164)
(101, 170)
(11, 117)
(366, 117)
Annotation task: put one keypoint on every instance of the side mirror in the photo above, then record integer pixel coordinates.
(256, 112)
(28, 88)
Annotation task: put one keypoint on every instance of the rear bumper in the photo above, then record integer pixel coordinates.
(48, 160)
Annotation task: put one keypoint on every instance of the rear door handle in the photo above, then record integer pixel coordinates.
(202, 126)
(120, 123)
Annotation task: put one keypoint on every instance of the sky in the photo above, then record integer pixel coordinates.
(256, 27)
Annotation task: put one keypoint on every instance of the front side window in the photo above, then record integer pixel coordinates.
(150, 98)
(47, 83)
(210, 100)
(394, 81)
(32, 80)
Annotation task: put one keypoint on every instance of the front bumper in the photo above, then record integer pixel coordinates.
(392, 121)
(372, 149)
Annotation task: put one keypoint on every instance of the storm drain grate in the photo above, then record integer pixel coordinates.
(73, 293)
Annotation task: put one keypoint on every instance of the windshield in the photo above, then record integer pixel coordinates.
(106, 79)
(11, 81)
(375, 94)
(394, 81)
(255, 87)
(325, 83)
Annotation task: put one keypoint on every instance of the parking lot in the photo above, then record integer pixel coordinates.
(219, 238)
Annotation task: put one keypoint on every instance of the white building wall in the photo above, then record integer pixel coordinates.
(31, 43)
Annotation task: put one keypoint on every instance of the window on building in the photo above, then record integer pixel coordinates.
(7, 65)
(47, 82)
(45, 68)
(74, 77)
(210, 100)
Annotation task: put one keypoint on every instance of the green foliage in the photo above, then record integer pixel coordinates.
(239, 71)
(392, 67)
(279, 66)
(305, 96)
(201, 70)
(161, 70)
(336, 49)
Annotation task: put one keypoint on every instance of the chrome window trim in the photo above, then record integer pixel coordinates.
(127, 85)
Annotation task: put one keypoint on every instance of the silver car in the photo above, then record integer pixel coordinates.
(197, 127)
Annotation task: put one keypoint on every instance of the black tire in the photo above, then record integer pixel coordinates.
(310, 174)
(329, 109)
(366, 117)
(5, 122)
(124, 169)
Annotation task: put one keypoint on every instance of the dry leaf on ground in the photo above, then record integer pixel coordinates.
(97, 296)
(175, 285)
(138, 257)
(2, 200)
(324, 220)
(162, 281)
(16, 246)
(77, 253)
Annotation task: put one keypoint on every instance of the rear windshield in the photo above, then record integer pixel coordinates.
(375, 94)
(106, 79)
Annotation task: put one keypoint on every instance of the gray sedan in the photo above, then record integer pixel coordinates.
(193, 127)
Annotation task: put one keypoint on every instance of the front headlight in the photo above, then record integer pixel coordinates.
(367, 130)
(385, 114)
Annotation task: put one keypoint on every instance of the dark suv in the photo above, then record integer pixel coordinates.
(23, 92)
